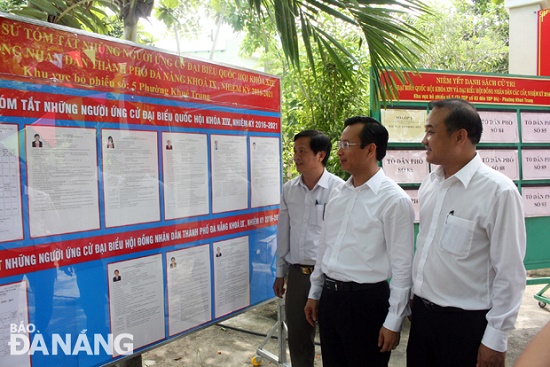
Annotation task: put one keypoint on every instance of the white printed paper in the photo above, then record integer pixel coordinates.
(229, 173)
(232, 275)
(499, 127)
(11, 222)
(62, 180)
(189, 288)
(504, 161)
(130, 177)
(14, 311)
(265, 171)
(136, 299)
(185, 173)
(405, 166)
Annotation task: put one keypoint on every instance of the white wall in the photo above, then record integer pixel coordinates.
(523, 35)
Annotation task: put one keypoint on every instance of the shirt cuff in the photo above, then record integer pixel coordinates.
(393, 323)
(281, 271)
(315, 291)
(495, 339)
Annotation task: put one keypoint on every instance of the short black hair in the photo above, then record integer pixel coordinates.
(318, 142)
(35, 135)
(462, 115)
(373, 132)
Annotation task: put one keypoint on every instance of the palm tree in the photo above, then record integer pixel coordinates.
(380, 21)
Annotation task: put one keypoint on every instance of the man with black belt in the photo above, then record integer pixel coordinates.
(468, 273)
(367, 238)
(301, 215)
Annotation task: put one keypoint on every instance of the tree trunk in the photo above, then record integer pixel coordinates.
(130, 28)
(130, 12)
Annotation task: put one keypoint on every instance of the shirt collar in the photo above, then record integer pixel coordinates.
(323, 180)
(373, 183)
(464, 175)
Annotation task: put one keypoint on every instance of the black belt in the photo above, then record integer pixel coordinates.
(304, 269)
(437, 308)
(338, 286)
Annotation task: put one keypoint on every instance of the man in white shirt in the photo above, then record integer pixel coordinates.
(367, 238)
(301, 215)
(468, 273)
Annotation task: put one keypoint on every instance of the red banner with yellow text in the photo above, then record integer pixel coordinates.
(543, 54)
(498, 89)
(45, 53)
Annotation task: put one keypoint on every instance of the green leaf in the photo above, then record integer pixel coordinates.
(31, 13)
(71, 22)
(337, 60)
(46, 6)
(306, 37)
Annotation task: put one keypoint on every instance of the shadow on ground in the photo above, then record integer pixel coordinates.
(224, 345)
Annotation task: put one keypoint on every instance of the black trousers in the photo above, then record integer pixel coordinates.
(349, 325)
(443, 336)
(301, 335)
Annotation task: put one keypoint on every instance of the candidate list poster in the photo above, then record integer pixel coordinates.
(229, 173)
(231, 274)
(136, 302)
(62, 179)
(265, 170)
(14, 311)
(130, 176)
(185, 175)
(11, 223)
(189, 288)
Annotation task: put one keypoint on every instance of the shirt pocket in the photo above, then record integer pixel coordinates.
(457, 236)
(316, 216)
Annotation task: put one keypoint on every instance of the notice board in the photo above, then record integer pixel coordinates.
(139, 194)
(515, 111)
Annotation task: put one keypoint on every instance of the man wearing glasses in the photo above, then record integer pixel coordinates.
(367, 238)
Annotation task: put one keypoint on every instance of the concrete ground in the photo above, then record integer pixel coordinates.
(223, 345)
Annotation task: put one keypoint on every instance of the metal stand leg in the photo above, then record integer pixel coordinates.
(539, 296)
(282, 331)
(542, 299)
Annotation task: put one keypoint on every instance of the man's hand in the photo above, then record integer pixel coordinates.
(487, 357)
(311, 310)
(388, 340)
(279, 287)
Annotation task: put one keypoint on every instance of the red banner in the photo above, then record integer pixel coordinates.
(44, 53)
(543, 59)
(46, 106)
(491, 89)
(32, 258)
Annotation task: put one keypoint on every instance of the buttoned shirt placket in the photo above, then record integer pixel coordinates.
(443, 187)
(308, 202)
(341, 234)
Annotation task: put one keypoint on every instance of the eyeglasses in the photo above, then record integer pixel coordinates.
(345, 145)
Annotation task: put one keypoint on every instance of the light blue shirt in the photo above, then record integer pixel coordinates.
(300, 218)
